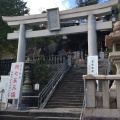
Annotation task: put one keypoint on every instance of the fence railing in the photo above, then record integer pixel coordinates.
(97, 99)
(106, 64)
(47, 91)
(50, 87)
(53, 59)
(82, 110)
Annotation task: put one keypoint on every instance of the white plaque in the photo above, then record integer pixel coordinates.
(16, 75)
(37, 86)
(53, 19)
(92, 65)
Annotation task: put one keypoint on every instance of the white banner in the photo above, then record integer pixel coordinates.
(16, 75)
(4, 84)
(92, 65)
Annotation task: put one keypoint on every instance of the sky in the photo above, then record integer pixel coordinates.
(37, 6)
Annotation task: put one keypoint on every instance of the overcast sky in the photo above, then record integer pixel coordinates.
(36, 6)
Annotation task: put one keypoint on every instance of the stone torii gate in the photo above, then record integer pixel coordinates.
(53, 19)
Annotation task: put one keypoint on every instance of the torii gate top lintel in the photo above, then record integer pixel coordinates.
(98, 9)
(59, 16)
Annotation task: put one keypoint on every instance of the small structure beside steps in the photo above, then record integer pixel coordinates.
(106, 104)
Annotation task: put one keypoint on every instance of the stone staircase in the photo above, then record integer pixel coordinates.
(39, 115)
(70, 91)
(65, 103)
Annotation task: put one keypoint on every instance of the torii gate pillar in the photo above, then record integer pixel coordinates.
(21, 44)
(21, 50)
(92, 36)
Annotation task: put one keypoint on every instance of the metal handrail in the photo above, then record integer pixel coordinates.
(84, 102)
(82, 111)
(46, 93)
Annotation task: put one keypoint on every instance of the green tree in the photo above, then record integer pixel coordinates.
(118, 12)
(9, 8)
(115, 12)
(82, 3)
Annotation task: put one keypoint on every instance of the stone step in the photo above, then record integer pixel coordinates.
(66, 103)
(67, 98)
(69, 93)
(13, 115)
(70, 75)
(72, 82)
(78, 74)
(63, 106)
(70, 79)
(70, 90)
(56, 118)
(73, 100)
(77, 100)
(70, 86)
(35, 118)
(73, 78)
(37, 114)
(81, 89)
(61, 95)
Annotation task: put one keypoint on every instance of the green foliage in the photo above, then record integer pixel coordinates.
(40, 43)
(113, 68)
(41, 72)
(13, 8)
(9, 8)
(115, 13)
(108, 51)
(118, 12)
(82, 3)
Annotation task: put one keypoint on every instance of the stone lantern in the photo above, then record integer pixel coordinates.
(113, 40)
(27, 89)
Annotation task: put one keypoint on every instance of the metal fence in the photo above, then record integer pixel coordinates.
(5, 66)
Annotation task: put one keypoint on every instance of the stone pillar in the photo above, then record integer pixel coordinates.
(21, 49)
(114, 47)
(90, 93)
(117, 64)
(92, 36)
(21, 44)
